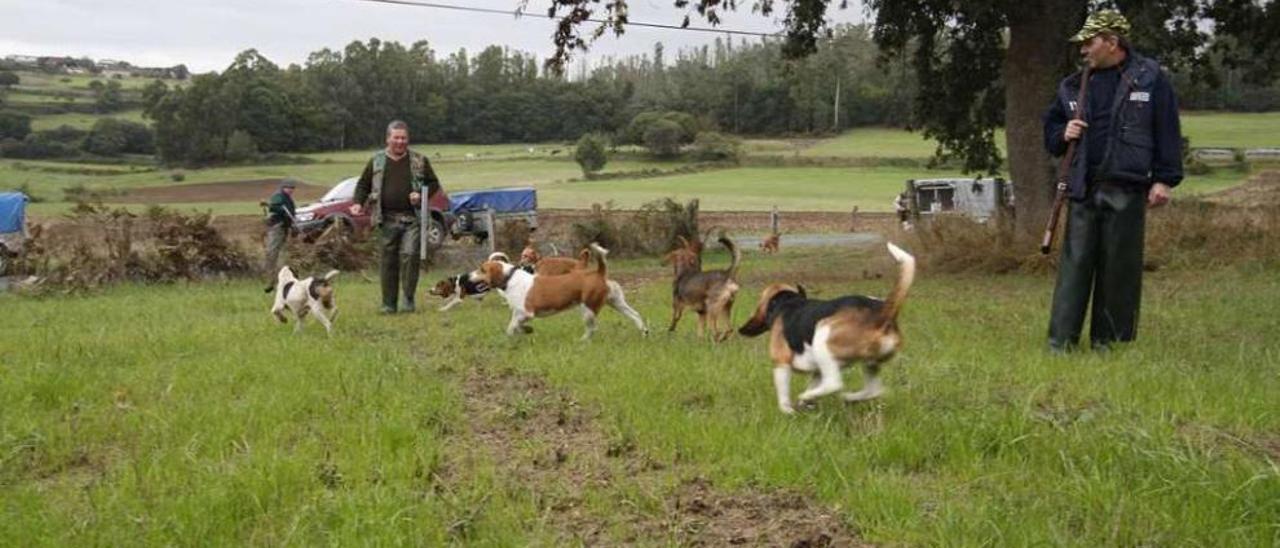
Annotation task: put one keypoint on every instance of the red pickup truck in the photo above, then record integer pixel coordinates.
(335, 207)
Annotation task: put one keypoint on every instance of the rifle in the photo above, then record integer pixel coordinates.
(1064, 171)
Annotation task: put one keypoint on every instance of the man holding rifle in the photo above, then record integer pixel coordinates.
(392, 187)
(1127, 156)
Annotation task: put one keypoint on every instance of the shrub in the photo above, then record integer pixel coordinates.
(663, 138)
(651, 230)
(711, 146)
(590, 153)
(14, 125)
(177, 176)
(112, 137)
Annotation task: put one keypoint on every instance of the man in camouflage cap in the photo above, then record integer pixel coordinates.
(1128, 159)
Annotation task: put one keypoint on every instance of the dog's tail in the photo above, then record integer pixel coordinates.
(329, 276)
(906, 274)
(737, 255)
(603, 267)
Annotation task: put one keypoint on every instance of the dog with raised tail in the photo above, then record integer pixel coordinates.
(710, 294)
(312, 295)
(534, 295)
(820, 338)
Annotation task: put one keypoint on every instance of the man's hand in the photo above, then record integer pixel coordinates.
(1158, 195)
(1075, 129)
(357, 209)
(415, 197)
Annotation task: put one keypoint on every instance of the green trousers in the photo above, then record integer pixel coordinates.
(398, 238)
(277, 236)
(1102, 254)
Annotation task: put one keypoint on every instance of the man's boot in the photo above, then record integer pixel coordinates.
(390, 276)
(409, 265)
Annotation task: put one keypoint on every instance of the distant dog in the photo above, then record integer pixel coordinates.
(710, 294)
(306, 296)
(770, 243)
(822, 337)
(457, 288)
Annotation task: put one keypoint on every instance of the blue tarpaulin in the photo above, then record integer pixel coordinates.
(502, 200)
(12, 207)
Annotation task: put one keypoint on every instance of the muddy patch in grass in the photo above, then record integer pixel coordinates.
(595, 486)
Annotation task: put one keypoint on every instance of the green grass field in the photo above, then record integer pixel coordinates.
(218, 426)
(81, 120)
(466, 167)
(1232, 130)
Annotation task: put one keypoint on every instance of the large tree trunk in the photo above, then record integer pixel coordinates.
(1036, 60)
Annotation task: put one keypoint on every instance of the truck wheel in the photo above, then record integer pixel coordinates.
(434, 232)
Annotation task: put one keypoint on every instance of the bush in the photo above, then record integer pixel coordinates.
(711, 146)
(65, 134)
(651, 230)
(590, 153)
(35, 147)
(8, 79)
(111, 137)
(14, 125)
(635, 132)
(663, 138)
(177, 176)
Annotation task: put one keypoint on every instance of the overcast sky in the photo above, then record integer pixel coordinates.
(206, 34)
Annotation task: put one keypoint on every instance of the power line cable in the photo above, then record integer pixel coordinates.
(518, 13)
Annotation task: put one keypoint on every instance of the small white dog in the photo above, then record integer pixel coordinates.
(308, 295)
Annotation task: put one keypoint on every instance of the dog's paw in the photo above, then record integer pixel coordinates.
(807, 405)
(787, 409)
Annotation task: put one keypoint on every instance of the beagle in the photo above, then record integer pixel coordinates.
(538, 295)
(822, 337)
(457, 288)
(308, 295)
(710, 294)
(770, 243)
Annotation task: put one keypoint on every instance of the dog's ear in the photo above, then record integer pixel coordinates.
(801, 291)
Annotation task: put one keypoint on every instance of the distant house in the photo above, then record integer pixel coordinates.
(23, 60)
(114, 65)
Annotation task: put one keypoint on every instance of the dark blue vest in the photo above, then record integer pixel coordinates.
(1131, 142)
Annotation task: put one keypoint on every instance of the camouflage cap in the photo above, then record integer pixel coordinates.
(1103, 21)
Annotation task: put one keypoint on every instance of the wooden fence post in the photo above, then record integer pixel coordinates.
(492, 228)
(773, 220)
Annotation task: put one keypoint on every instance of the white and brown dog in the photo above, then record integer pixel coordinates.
(822, 337)
(310, 295)
(533, 295)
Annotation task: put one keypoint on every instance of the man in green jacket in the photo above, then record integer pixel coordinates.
(280, 217)
(391, 187)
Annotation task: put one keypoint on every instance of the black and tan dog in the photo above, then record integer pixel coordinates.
(710, 294)
(822, 337)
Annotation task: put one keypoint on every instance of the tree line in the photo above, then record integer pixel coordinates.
(339, 100)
